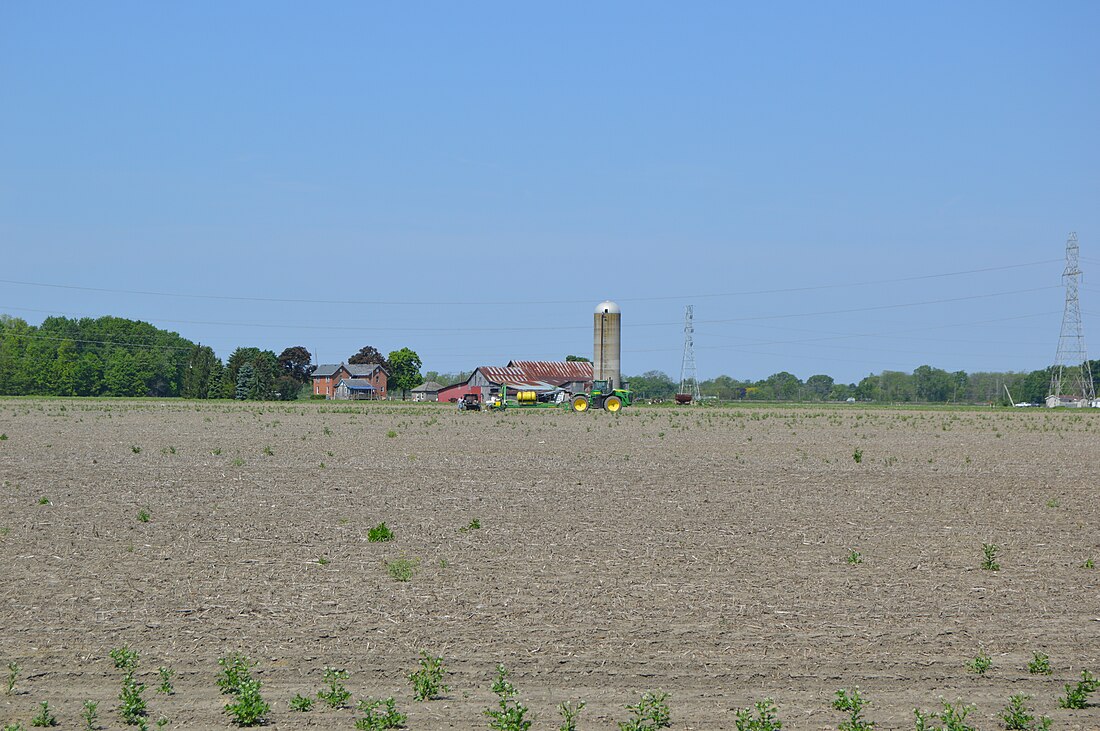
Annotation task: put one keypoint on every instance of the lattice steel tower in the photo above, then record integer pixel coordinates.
(1072, 373)
(689, 378)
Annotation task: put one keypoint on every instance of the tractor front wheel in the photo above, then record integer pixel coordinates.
(580, 403)
(613, 404)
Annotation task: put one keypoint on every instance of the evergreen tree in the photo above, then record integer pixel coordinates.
(200, 368)
(191, 387)
(238, 358)
(263, 377)
(264, 365)
(214, 387)
(245, 378)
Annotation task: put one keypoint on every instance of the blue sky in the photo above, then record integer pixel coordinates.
(522, 162)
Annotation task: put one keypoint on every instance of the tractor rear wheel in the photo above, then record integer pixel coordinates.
(580, 402)
(612, 404)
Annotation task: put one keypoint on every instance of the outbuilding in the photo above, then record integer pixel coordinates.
(533, 375)
(428, 391)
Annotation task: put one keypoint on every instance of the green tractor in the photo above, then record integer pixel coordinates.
(602, 396)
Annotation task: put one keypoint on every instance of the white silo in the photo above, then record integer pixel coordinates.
(607, 343)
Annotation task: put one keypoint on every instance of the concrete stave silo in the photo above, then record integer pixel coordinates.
(607, 343)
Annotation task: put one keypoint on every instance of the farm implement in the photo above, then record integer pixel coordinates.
(528, 399)
(601, 396)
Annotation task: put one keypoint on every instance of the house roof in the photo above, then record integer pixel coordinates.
(356, 370)
(364, 369)
(568, 370)
(356, 384)
(428, 387)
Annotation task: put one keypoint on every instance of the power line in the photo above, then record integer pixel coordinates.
(879, 307)
(844, 336)
(99, 342)
(738, 347)
(496, 303)
(894, 334)
(547, 328)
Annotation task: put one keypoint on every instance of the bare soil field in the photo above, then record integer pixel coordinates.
(702, 552)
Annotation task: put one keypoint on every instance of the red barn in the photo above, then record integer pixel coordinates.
(536, 375)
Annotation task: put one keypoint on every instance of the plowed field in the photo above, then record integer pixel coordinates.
(710, 553)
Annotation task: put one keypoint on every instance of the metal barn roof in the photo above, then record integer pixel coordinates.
(569, 370)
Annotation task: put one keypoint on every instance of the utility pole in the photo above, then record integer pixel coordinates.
(1072, 373)
(689, 378)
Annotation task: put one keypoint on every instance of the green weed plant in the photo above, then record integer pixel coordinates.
(648, 714)
(379, 715)
(427, 679)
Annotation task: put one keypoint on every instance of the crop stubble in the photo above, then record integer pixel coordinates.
(698, 551)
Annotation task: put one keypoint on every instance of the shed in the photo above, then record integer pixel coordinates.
(428, 391)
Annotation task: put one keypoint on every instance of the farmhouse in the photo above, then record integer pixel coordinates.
(350, 381)
(525, 375)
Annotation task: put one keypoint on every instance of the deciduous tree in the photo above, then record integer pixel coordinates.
(296, 362)
(819, 386)
(404, 370)
(652, 385)
(783, 385)
(369, 354)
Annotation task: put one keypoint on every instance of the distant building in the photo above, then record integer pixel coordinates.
(427, 391)
(521, 375)
(354, 378)
(1070, 402)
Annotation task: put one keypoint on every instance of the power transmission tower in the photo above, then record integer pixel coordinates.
(689, 378)
(1072, 373)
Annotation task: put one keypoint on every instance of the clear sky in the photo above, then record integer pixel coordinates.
(470, 179)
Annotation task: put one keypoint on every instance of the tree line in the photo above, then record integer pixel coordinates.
(925, 384)
(113, 356)
(68, 357)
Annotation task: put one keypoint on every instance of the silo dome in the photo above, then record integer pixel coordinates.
(608, 307)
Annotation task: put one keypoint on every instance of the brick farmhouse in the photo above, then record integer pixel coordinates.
(351, 381)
